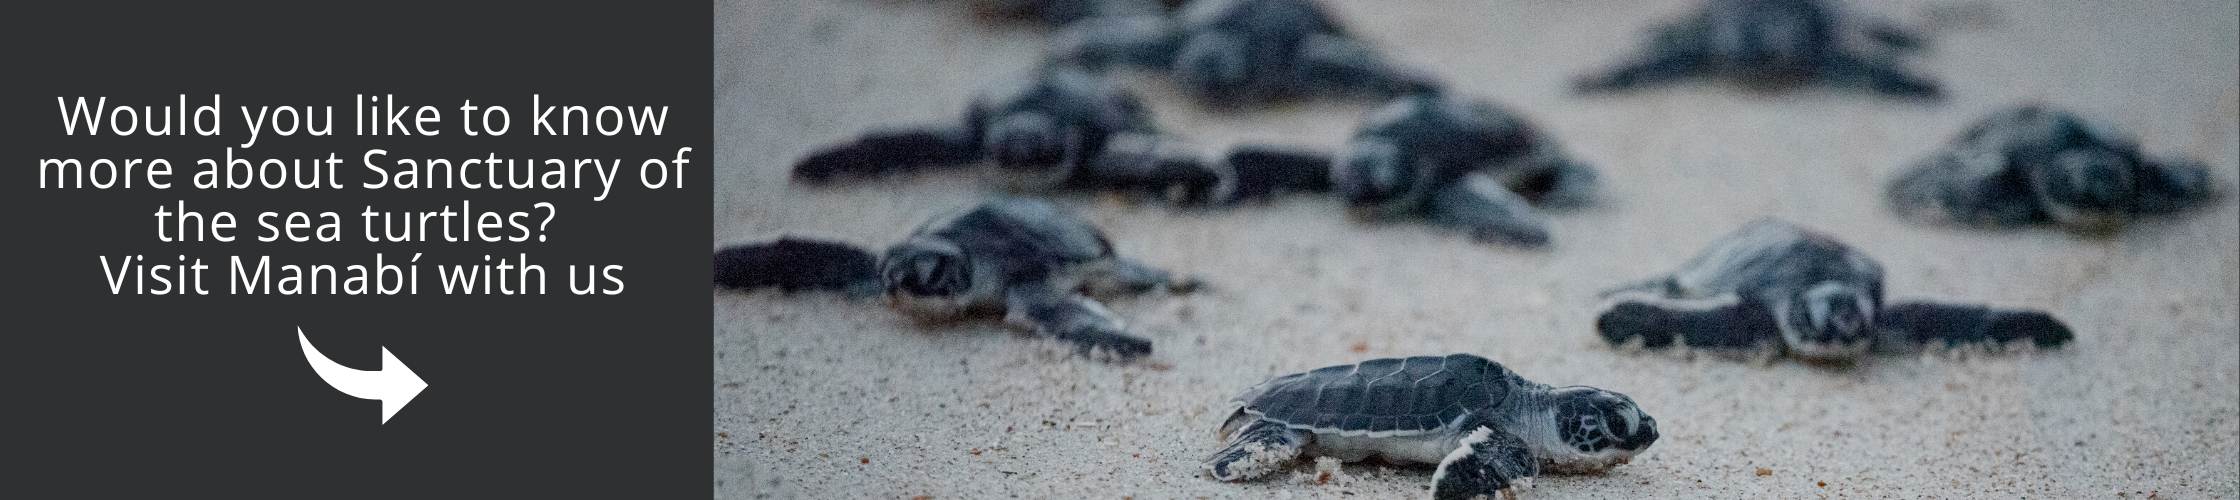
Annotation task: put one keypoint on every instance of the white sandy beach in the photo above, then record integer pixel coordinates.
(818, 396)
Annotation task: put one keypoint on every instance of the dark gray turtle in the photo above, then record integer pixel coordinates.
(1773, 285)
(1026, 258)
(1484, 426)
(1771, 43)
(2034, 164)
(1460, 163)
(1235, 52)
(1062, 129)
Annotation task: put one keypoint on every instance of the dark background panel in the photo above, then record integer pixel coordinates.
(554, 395)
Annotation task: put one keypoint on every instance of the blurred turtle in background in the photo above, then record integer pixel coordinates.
(1235, 53)
(1773, 43)
(1460, 163)
(2033, 164)
(1067, 129)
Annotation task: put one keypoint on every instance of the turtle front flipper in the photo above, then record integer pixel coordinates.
(795, 264)
(1908, 326)
(1879, 74)
(1722, 322)
(1345, 66)
(1674, 54)
(1150, 162)
(1261, 447)
(1487, 463)
(1489, 211)
(883, 151)
(1072, 318)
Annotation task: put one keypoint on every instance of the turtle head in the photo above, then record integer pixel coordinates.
(1213, 66)
(1829, 320)
(1371, 172)
(1596, 429)
(926, 271)
(2086, 187)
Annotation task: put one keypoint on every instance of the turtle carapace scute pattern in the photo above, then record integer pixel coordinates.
(1032, 261)
(1233, 53)
(1771, 44)
(1484, 426)
(1775, 286)
(2035, 164)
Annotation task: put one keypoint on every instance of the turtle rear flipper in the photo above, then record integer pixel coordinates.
(1723, 322)
(1910, 325)
(1489, 211)
(885, 151)
(1073, 318)
(796, 264)
(1260, 448)
(1259, 171)
(1487, 463)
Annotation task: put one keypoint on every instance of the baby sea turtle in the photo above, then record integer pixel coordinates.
(1230, 53)
(1774, 286)
(1773, 43)
(1027, 258)
(2035, 164)
(1485, 426)
(1460, 163)
(1064, 128)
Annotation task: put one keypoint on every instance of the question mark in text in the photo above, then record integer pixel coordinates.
(549, 211)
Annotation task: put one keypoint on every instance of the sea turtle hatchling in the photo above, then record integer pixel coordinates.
(2035, 164)
(1773, 286)
(1027, 258)
(1485, 426)
(1773, 43)
(1062, 128)
(1460, 163)
(1231, 53)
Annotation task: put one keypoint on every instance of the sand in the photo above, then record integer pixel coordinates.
(818, 396)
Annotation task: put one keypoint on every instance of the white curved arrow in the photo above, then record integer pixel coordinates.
(393, 384)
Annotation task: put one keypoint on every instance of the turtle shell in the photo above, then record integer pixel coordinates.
(1383, 397)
